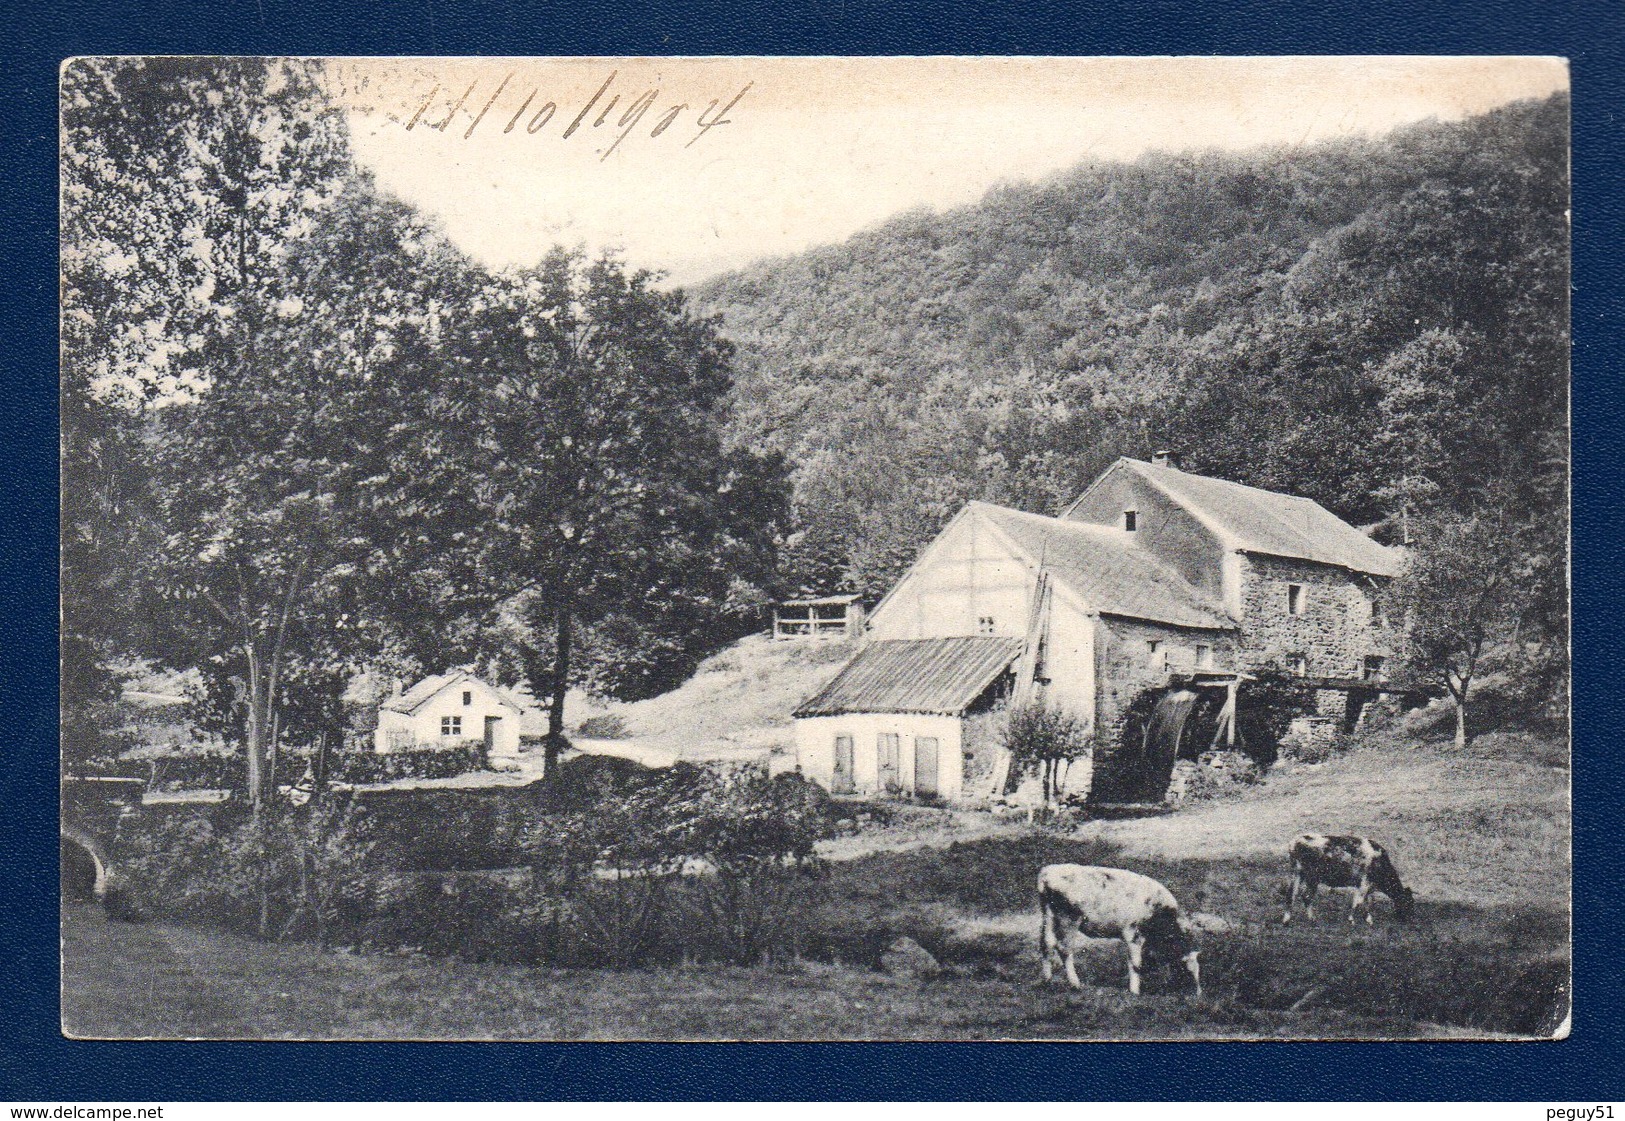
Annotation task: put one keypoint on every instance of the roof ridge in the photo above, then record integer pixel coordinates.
(1226, 482)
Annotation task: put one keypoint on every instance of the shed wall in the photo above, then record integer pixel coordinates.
(815, 748)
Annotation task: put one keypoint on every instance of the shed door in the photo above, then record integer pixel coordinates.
(925, 765)
(886, 763)
(841, 782)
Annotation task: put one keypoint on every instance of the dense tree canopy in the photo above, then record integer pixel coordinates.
(1378, 324)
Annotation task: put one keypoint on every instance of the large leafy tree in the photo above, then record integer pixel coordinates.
(239, 293)
(294, 491)
(182, 182)
(608, 506)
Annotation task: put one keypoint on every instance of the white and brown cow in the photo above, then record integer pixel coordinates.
(1340, 862)
(1076, 899)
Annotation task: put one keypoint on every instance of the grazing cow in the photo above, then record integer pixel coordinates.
(1356, 862)
(1112, 903)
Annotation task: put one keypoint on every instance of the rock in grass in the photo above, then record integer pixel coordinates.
(907, 958)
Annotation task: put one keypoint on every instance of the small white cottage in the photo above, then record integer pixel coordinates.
(456, 709)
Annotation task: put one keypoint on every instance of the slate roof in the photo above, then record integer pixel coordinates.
(936, 676)
(1262, 521)
(1107, 569)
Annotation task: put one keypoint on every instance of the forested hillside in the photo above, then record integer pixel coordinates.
(1380, 324)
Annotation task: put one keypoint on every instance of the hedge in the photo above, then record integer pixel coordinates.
(433, 762)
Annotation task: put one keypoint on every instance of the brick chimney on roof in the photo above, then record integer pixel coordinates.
(1165, 459)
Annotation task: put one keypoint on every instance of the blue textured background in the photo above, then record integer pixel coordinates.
(37, 1063)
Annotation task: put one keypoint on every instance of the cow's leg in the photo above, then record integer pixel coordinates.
(1136, 948)
(1292, 899)
(1046, 937)
(1361, 895)
(1068, 934)
(1193, 965)
(1311, 888)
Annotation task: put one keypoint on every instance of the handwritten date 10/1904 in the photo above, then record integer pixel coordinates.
(518, 110)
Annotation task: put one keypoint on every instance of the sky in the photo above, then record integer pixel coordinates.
(696, 166)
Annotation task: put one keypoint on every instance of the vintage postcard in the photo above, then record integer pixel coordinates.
(815, 548)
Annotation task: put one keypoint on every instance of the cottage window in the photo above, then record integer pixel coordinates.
(468, 697)
(1131, 520)
(1373, 667)
(1376, 612)
(984, 624)
(1204, 656)
(1155, 655)
(451, 725)
(1297, 665)
(1294, 599)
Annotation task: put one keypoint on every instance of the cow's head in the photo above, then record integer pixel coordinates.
(1170, 942)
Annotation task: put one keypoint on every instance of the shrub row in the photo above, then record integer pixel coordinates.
(686, 863)
(428, 762)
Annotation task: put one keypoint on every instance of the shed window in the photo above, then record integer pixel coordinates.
(468, 697)
(1204, 656)
(1297, 665)
(1131, 520)
(984, 624)
(451, 725)
(1294, 599)
(1373, 667)
(1377, 619)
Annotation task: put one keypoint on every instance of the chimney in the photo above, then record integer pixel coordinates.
(1166, 459)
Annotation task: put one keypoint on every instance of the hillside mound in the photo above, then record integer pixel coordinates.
(736, 706)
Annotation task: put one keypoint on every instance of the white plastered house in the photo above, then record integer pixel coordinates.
(456, 709)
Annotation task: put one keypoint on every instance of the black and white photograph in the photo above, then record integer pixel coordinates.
(815, 548)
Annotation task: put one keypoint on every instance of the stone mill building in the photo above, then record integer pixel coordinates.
(1156, 586)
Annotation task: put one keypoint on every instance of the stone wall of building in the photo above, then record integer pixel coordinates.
(1128, 668)
(1335, 630)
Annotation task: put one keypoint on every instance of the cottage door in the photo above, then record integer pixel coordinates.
(841, 782)
(925, 766)
(887, 763)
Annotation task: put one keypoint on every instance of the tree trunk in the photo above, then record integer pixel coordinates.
(562, 635)
(1461, 722)
(258, 734)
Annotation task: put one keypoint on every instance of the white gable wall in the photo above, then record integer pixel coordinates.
(967, 574)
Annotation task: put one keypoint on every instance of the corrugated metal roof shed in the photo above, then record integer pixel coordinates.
(1108, 569)
(1262, 521)
(937, 676)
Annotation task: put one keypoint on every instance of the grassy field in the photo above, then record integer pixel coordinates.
(1483, 837)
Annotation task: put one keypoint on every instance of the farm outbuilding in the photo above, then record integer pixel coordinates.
(1140, 611)
(892, 721)
(838, 616)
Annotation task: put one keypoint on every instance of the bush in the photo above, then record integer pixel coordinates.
(295, 870)
(609, 726)
(445, 830)
(1042, 738)
(196, 770)
(417, 763)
